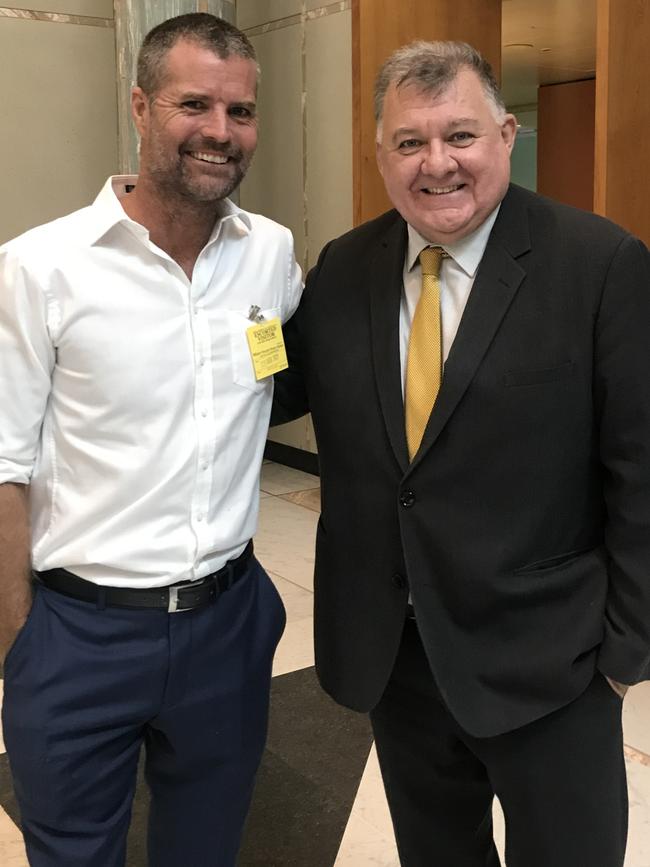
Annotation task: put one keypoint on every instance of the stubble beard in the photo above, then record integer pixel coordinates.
(204, 190)
(178, 181)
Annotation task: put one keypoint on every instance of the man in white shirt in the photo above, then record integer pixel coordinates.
(483, 549)
(132, 430)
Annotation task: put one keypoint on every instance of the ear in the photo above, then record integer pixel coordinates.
(139, 109)
(379, 157)
(509, 131)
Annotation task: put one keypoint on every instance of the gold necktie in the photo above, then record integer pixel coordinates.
(424, 361)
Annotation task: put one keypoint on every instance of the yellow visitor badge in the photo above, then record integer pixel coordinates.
(266, 344)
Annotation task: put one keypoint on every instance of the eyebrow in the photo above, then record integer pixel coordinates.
(405, 130)
(189, 96)
(464, 121)
(453, 124)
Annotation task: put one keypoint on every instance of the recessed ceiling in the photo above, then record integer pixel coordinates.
(545, 42)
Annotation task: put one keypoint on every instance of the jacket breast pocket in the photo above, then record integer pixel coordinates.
(539, 375)
(243, 372)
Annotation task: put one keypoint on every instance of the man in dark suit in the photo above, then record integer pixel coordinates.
(483, 555)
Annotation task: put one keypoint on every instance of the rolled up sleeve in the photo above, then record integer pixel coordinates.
(27, 357)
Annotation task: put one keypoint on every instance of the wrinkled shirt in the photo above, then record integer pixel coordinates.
(129, 400)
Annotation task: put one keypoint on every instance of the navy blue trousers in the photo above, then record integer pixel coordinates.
(86, 688)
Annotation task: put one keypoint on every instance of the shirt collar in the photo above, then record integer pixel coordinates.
(234, 215)
(107, 212)
(467, 252)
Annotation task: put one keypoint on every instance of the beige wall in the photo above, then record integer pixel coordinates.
(302, 173)
(59, 109)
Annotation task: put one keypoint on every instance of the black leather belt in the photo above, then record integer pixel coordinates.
(182, 596)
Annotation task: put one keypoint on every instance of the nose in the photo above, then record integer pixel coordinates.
(216, 125)
(438, 160)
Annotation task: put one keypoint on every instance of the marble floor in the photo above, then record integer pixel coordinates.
(345, 809)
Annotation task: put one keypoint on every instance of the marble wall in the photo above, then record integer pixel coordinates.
(302, 173)
(59, 108)
(133, 20)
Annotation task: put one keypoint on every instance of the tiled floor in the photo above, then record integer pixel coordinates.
(284, 544)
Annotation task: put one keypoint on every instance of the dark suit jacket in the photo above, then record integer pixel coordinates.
(522, 527)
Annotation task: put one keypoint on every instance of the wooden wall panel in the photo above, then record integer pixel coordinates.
(378, 28)
(622, 158)
(565, 142)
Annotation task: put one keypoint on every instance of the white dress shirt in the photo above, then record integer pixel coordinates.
(129, 400)
(457, 275)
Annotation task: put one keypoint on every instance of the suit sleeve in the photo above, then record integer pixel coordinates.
(622, 404)
(290, 396)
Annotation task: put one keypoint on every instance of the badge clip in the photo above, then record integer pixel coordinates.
(255, 314)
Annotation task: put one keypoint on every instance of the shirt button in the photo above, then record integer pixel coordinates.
(204, 467)
(407, 499)
(399, 582)
(199, 517)
(204, 413)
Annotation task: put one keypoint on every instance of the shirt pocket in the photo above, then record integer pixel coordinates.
(243, 372)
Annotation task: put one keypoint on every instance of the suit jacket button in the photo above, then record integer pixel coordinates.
(407, 498)
(399, 581)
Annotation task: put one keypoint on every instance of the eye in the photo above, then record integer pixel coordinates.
(242, 112)
(194, 105)
(462, 139)
(409, 145)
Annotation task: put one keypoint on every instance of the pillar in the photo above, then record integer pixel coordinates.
(133, 20)
(622, 150)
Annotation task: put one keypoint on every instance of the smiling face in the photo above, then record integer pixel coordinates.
(199, 130)
(444, 157)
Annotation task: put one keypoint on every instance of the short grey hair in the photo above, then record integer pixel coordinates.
(208, 31)
(431, 67)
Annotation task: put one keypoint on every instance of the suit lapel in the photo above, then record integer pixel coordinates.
(385, 277)
(497, 281)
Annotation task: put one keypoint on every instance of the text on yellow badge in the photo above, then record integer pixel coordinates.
(267, 348)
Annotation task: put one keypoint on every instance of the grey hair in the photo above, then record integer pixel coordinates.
(431, 67)
(208, 31)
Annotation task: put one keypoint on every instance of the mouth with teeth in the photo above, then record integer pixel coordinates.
(441, 191)
(212, 158)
